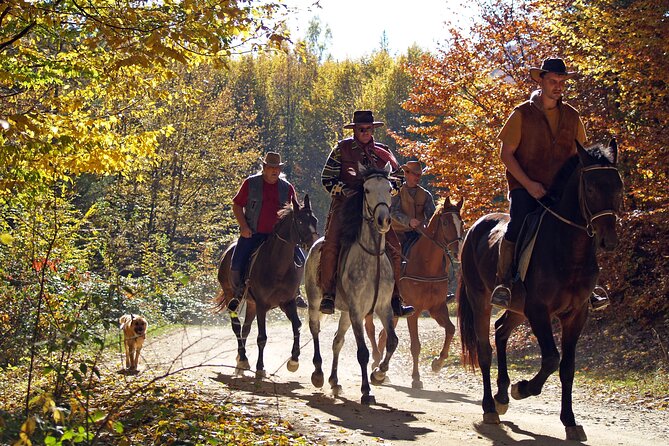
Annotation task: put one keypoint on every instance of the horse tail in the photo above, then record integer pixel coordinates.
(220, 302)
(469, 355)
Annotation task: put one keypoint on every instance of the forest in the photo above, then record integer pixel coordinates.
(127, 127)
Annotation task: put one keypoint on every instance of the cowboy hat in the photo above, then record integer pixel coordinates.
(414, 167)
(551, 65)
(363, 117)
(272, 159)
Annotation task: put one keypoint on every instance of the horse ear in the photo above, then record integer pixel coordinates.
(296, 204)
(460, 203)
(388, 168)
(307, 203)
(613, 147)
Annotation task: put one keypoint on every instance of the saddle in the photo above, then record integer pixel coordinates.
(525, 243)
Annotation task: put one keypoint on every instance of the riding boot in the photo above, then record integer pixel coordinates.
(399, 309)
(327, 303)
(599, 301)
(501, 295)
(237, 289)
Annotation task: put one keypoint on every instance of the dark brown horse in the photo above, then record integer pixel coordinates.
(425, 282)
(273, 280)
(561, 275)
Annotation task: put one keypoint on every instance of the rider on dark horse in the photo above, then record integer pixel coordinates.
(255, 207)
(340, 177)
(536, 140)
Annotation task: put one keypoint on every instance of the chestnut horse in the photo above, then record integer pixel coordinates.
(560, 277)
(425, 282)
(272, 282)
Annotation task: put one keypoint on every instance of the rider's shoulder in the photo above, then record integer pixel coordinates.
(383, 146)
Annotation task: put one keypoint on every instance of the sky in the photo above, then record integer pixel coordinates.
(357, 25)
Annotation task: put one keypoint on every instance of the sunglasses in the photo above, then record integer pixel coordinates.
(366, 129)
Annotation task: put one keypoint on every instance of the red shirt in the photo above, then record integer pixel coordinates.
(270, 203)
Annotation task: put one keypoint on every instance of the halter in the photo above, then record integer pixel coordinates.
(293, 224)
(583, 204)
(371, 221)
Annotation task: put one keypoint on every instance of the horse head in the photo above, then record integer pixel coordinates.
(376, 190)
(600, 193)
(447, 227)
(306, 221)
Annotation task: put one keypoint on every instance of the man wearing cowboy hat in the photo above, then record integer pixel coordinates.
(536, 140)
(255, 207)
(412, 206)
(340, 177)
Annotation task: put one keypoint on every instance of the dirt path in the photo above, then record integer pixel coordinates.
(446, 411)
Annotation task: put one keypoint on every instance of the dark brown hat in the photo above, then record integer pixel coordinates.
(363, 117)
(551, 65)
(272, 159)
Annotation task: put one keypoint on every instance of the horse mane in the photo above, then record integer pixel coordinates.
(284, 213)
(599, 154)
(351, 214)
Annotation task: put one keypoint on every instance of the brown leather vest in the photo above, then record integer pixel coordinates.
(412, 207)
(540, 153)
(352, 154)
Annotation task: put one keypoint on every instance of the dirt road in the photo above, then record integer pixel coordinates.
(446, 411)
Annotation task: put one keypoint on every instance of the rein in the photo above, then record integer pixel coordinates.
(585, 209)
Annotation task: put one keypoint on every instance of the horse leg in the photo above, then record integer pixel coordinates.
(571, 331)
(540, 322)
(371, 335)
(484, 352)
(290, 309)
(412, 324)
(337, 344)
(317, 378)
(379, 374)
(363, 358)
(444, 321)
(241, 334)
(504, 326)
(262, 340)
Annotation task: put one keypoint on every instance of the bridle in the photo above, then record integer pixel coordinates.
(586, 213)
(294, 225)
(446, 247)
(368, 217)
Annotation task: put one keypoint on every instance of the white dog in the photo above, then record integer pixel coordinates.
(134, 332)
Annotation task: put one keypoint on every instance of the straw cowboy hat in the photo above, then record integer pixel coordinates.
(272, 159)
(363, 117)
(551, 65)
(414, 167)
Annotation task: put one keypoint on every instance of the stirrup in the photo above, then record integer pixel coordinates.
(399, 309)
(501, 297)
(599, 300)
(327, 304)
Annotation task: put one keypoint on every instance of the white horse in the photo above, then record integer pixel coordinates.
(364, 280)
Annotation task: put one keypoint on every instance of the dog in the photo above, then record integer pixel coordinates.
(134, 332)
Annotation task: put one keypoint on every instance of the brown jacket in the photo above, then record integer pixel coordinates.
(540, 153)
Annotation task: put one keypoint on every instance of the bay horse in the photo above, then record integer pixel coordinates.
(561, 275)
(273, 280)
(364, 280)
(425, 282)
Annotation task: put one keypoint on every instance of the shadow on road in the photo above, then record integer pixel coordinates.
(499, 436)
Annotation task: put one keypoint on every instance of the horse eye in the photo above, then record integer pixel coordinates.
(366, 190)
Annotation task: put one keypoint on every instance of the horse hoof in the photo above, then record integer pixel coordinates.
(576, 433)
(377, 377)
(242, 366)
(292, 366)
(515, 391)
(491, 418)
(366, 400)
(261, 374)
(437, 365)
(317, 379)
(336, 390)
(417, 384)
(501, 408)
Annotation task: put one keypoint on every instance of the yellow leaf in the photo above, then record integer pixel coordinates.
(6, 239)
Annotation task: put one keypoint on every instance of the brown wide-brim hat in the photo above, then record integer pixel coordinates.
(272, 159)
(551, 65)
(363, 117)
(415, 167)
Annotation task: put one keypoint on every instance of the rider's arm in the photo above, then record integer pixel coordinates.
(330, 175)
(510, 136)
(238, 204)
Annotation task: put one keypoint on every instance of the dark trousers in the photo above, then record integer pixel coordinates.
(244, 249)
(522, 203)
